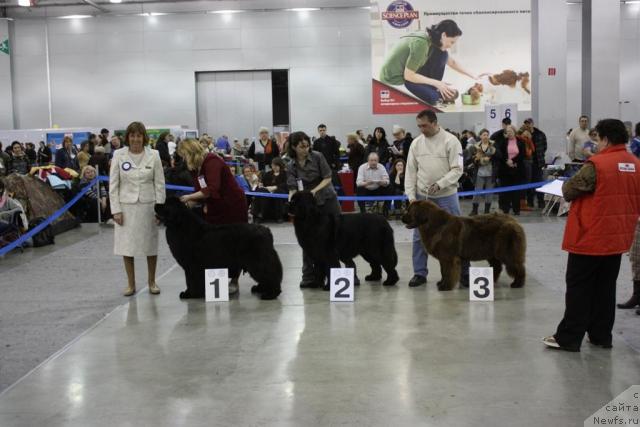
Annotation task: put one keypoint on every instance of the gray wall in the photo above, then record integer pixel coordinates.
(6, 107)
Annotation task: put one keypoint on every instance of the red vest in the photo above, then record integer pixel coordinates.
(603, 222)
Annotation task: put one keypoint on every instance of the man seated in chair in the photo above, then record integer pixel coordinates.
(373, 180)
(11, 211)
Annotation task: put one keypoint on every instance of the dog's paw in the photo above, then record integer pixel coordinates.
(443, 286)
(256, 289)
(356, 281)
(185, 295)
(325, 287)
(517, 285)
(392, 279)
(373, 278)
(269, 295)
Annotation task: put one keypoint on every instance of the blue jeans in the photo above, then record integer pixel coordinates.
(420, 256)
(427, 93)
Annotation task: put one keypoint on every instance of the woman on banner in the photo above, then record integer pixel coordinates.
(217, 189)
(136, 184)
(418, 62)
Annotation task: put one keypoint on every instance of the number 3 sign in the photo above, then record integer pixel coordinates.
(341, 288)
(481, 284)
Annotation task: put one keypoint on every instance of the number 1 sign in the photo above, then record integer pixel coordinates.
(341, 288)
(216, 285)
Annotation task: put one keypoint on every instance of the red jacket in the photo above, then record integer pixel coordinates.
(225, 202)
(603, 222)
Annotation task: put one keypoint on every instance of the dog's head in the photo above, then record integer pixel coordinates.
(303, 205)
(172, 212)
(423, 212)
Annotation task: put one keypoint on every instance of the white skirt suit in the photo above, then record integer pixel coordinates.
(134, 189)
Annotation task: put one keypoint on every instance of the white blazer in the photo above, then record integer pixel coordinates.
(129, 183)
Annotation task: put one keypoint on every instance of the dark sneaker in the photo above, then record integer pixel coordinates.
(417, 281)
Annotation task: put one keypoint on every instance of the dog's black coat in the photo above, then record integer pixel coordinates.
(329, 239)
(197, 246)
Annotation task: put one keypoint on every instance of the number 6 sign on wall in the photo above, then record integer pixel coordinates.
(481, 284)
(341, 289)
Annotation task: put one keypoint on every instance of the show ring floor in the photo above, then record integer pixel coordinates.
(397, 356)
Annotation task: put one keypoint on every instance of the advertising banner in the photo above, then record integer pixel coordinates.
(450, 55)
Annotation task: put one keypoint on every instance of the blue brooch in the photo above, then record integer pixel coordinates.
(126, 166)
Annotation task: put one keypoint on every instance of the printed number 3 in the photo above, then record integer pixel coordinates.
(216, 286)
(484, 287)
(340, 294)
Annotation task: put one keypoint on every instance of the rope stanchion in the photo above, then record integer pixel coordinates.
(44, 224)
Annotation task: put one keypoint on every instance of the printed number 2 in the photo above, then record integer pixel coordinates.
(484, 286)
(492, 113)
(340, 294)
(216, 286)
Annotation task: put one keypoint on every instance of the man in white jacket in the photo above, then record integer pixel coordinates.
(434, 166)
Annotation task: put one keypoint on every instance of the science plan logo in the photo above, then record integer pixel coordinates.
(400, 14)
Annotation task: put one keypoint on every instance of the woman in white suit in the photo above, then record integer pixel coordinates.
(136, 184)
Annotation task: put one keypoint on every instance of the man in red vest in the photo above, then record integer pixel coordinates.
(605, 196)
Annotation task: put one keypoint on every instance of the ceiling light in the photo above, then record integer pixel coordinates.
(226, 12)
(115, 1)
(24, 3)
(75, 17)
(632, 2)
(152, 14)
(303, 9)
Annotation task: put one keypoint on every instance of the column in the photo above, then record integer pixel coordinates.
(601, 59)
(6, 97)
(549, 70)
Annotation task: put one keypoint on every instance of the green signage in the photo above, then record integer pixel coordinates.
(4, 47)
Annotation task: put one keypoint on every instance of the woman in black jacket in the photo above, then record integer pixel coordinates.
(67, 156)
(510, 155)
(264, 150)
(396, 178)
(44, 155)
(275, 182)
(380, 145)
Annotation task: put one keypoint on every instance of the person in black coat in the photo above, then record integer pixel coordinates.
(510, 155)
(274, 181)
(44, 156)
(163, 148)
(396, 176)
(264, 150)
(67, 156)
(380, 145)
(329, 147)
(356, 155)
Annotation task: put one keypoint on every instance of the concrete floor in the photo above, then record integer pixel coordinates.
(396, 356)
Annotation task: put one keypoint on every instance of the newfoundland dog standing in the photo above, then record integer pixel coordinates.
(330, 239)
(197, 246)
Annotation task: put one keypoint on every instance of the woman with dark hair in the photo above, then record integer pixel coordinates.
(44, 154)
(418, 62)
(274, 181)
(379, 145)
(163, 148)
(510, 155)
(67, 156)
(310, 171)
(136, 184)
(396, 177)
(83, 155)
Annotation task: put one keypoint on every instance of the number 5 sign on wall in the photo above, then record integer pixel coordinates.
(341, 288)
(495, 113)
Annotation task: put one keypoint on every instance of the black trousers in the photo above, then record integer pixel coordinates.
(536, 176)
(380, 191)
(509, 200)
(590, 300)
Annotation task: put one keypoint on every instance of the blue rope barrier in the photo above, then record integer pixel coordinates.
(44, 224)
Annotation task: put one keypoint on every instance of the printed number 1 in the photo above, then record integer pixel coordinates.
(216, 286)
(340, 294)
(484, 287)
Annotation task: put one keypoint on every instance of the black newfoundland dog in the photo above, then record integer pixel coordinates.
(329, 239)
(197, 246)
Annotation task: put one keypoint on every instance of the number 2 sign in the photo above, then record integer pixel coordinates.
(341, 288)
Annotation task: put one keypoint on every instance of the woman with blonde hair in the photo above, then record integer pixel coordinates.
(216, 187)
(136, 184)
